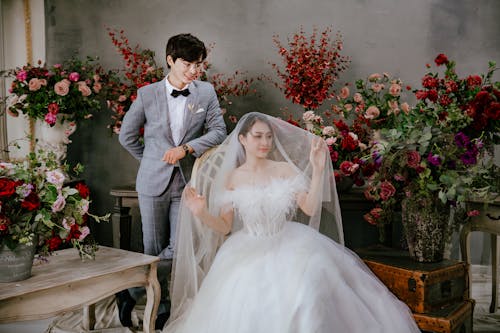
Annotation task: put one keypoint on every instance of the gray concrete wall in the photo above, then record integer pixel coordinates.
(395, 36)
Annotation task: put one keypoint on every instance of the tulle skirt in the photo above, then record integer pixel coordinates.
(297, 280)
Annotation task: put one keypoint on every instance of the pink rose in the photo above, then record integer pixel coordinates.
(331, 141)
(84, 89)
(74, 76)
(43, 82)
(59, 204)
(22, 75)
(372, 112)
(348, 107)
(34, 84)
(122, 98)
(393, 106)
(358, 98)
(61, 88)
(405, 107)
(395, 89)
(50, 118)
(85, 231)
(344, 92)
(374, 77)
(387, 190)
(97, 87)
(377, 87)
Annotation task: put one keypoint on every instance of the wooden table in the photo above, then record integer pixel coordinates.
(488, 221)
(66, 283)
(125, 198)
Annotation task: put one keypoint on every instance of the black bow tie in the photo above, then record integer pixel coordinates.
(176, 93)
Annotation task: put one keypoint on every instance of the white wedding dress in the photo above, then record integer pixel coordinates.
(278, 276)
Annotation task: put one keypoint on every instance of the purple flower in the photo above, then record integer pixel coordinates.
(461, 140)
(434, 159)
(468, 158)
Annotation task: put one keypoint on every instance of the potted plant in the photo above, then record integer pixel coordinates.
(437, 157)
(40, 211)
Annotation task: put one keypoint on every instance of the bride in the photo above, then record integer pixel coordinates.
(271, 274)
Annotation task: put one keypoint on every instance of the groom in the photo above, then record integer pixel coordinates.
(181, 118)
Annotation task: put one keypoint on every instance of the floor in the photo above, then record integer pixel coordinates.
(484, 322)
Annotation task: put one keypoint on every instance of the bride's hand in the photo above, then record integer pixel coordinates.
(196, 203)
(317, 157)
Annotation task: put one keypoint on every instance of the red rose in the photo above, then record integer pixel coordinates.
(420, 94)
(387, 190)
(83, 190)
(349, 143)
(54, 243)
(482, 97)
(413, 159)
(432, 95)
(4, 224)
(347, 168)
(429, 82)
(7, 187)
(474, 81)
(341, 125)
(31, 202)
(441, 59)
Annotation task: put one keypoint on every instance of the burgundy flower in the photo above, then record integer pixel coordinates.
(54, 243)
(31, 202)
(413, 159)
(441, 59)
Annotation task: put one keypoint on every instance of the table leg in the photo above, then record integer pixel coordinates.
(121, 221)
(88, 321)
(153, 293)
(494, 273)
(465, 252)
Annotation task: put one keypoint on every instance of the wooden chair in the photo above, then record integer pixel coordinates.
(488, 221)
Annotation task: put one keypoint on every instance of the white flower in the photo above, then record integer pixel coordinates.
(308, 116)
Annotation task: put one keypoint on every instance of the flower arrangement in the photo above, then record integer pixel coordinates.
(37, 204)
(348, 146)
(141, 69)
(120, 88)
(376, 101)
(439, 149)
(42, 92)
(312, 65)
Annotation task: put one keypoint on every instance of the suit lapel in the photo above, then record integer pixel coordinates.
(189, 109)
(161, 98)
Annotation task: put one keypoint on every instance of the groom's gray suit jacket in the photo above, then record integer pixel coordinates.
(204, 128)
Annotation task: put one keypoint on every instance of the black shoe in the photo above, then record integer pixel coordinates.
(160, 321)
(125, 304)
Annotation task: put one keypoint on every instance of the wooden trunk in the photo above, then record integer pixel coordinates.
(453, 319)
(424, 287)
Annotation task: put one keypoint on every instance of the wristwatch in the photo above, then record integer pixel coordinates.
(186, 149)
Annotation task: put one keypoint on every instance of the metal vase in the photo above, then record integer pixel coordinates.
(15, 265)
(426, 227)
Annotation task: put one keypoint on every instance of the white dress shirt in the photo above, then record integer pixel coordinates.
(176, 106)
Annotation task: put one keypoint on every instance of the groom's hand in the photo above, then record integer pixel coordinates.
(173, 155)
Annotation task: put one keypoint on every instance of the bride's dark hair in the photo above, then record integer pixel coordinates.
(251, 119)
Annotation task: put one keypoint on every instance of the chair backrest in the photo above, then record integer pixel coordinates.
(209, 167)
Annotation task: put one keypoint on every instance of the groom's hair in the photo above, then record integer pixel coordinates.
(186, 47)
